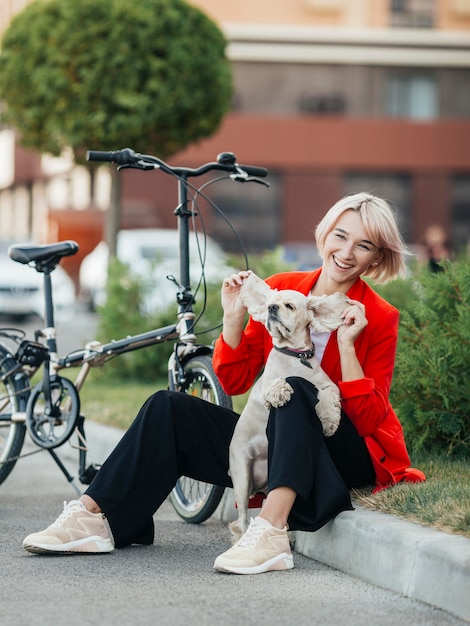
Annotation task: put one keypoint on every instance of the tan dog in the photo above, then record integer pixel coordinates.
(288, 316)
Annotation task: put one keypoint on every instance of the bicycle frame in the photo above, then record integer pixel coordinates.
(33, 355)
(95, 353)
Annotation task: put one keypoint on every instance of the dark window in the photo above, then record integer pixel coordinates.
(395, 188)
(412, 13)
(414, 96)
(460, 212)
(254, 211)
(322, 104)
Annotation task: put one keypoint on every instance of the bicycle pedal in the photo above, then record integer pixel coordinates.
(87, 475)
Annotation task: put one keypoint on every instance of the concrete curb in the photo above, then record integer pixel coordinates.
(415, 561)
(422, 563)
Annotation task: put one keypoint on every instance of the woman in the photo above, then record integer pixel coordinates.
(309, 475)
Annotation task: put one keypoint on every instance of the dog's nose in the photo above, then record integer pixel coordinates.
(273, 308)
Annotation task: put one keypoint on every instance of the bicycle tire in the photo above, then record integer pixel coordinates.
(14, 390)
(195, 501)
(54, 429)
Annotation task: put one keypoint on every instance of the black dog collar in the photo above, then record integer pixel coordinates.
(303, 355)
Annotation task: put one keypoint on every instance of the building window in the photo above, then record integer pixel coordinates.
(326, 104)
(411, 96)
(460, 201)
(412, 13)
(254, 211)
(395, 188)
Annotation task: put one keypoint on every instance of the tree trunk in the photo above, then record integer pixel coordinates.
(113, 217)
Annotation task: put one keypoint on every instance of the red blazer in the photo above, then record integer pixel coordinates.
(365, 401)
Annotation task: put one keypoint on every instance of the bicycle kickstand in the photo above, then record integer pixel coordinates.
(85, 474)
(64, 470)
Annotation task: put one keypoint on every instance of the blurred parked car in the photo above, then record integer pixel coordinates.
(21, 289)
(303, 255)
(153, 255)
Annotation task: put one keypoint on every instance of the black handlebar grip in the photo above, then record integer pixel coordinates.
(251, 170)
(95, 155)
(121, 157)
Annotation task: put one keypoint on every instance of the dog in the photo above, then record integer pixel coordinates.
(288, 316)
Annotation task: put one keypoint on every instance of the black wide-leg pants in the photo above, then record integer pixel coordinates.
(175, 435)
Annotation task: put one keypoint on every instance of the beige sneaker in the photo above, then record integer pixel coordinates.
(263, 548)
(75, 530)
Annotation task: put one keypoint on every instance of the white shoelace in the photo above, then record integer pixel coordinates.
(253, 533)
(69, 509)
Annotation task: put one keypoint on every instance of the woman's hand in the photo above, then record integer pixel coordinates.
(234, 309)
(354, 322)
(231, 303)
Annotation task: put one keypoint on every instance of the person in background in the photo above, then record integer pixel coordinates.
(436, 247)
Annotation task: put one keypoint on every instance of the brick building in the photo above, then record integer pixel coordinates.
(332, 96)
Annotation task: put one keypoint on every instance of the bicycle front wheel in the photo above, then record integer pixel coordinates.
(13, 395)
(193, 500)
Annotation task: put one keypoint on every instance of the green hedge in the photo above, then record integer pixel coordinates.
(431, 388)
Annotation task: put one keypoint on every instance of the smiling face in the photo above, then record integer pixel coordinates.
(348, 252)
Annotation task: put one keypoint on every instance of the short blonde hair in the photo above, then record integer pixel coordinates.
(381, 228)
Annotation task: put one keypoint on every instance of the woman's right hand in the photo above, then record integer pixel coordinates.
(234, 309)
(231, 302)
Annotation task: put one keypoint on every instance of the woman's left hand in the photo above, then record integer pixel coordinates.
(354, 322)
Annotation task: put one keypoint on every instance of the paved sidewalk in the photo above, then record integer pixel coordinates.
(407, 558)
(418, 562)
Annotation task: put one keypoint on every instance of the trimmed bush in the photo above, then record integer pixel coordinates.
(431, 389)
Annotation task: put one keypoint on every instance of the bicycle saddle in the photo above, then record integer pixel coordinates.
(45, 256)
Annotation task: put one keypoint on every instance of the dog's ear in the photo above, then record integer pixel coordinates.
(327, 311)
(254, 294)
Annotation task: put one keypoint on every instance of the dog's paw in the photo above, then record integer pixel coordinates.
(329, 412)
(278, 393)
(330, 426)
(236, 530)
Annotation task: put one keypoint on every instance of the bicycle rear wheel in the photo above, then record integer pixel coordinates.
(14, 391)
(193, 500)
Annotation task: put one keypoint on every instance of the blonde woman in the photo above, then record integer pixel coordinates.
(309, 475)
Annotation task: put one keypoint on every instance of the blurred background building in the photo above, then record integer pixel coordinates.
(332, 96)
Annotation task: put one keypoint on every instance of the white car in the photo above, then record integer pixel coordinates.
(303, 255)
(152, 254)
(21, 289)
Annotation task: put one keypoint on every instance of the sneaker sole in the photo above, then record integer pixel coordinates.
(90, 545)
(278, 563)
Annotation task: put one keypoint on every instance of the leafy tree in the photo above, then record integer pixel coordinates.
(88, 75)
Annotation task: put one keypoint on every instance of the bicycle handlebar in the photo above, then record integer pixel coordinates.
(226, 161)
(121, 157)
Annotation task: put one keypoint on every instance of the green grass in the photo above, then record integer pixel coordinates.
(442, 502)
(115, 404)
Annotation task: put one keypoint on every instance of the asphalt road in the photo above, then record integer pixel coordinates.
(72, 332)
(171, 582)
